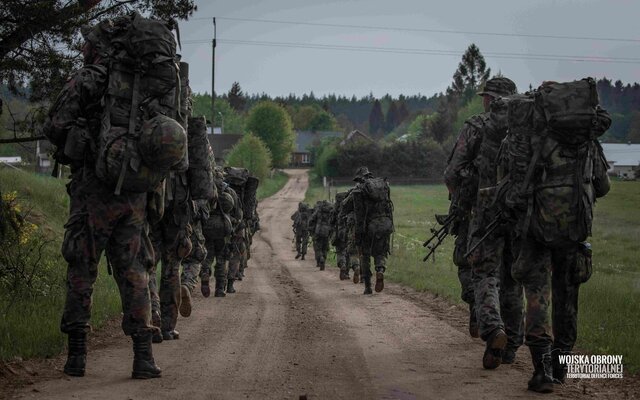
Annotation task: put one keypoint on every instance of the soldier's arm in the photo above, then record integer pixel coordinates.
(601, 182)
(460, 164)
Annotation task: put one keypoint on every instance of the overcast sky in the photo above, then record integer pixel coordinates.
(283, 70)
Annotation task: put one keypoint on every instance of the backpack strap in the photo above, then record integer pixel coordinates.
(135, 100)
(527, 181)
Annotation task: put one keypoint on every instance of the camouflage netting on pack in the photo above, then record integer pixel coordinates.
(251, 197)
(323, 211)
(201, 161)
(184, 112)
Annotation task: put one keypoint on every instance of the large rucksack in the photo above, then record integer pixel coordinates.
(550, 160)
(142, 96)
(323, 211)
(201, 161)
(379, 207)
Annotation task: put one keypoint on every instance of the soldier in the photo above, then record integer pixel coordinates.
(338, 222)
(192, 264)
(237, 246)
(371, 203)
(320, 228)
(498, 298)
(100, 220)
(352, 250)
(218, 229)
(461, 178)
(301, 229)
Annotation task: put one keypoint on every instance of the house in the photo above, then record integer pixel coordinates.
(222, 144)
(356, 137)
(305, 140)
(623, 159)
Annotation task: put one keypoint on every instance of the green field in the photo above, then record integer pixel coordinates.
(609, 301)
(29, 322)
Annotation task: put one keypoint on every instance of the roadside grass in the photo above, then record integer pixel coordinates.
(29, 323)
(269, 186)
(609, 301)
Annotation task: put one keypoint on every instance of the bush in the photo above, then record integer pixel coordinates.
(251, 153)
(271, 123)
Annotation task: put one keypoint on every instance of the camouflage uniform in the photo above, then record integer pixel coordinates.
(461, 179)
(320, 228)
(192, 264)
(236, 247)
(99, 220)
(352, 250)
(370, 241)
(338, 222)
(301, 229)
(171, 238)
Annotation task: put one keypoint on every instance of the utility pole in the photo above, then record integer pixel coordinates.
(213, 74)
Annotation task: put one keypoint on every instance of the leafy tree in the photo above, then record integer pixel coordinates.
(471, 74)
(403, 111)
(251, 153)
(236, 97)
(39, 40)
(376, 119)
(233, 121)
(634, 128)
(312, 118)
(271, 123)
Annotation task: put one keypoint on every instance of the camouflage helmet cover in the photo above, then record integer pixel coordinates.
(163, 142)
(361, 173)
(499, 87)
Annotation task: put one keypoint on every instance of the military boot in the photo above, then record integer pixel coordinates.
(322, 265)
(356, 275)
(473, 322)
(144, 367)
(302, 258)
(559, 370)
(367, 285)
(170, 335)
(77, 357)
(185, 301)
(542, 379)
(157, 322)
(219, 288)
(509, 355)
(496, 343)
(204, 286)
(379, 279)
(298, 256)
(230, 288)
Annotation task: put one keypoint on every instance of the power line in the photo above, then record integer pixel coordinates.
(398, 50)
(402, 29)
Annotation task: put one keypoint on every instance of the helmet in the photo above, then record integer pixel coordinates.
(163, 142)
(499, 87)
(362, 173)
(226, 202)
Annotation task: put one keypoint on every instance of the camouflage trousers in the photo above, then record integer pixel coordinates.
(498, 297)
(375, 246)
(169, 238)
(320, 249)
(237, 254)
(302, 241)
(532, 268)
(465, 274)
(353, 254)
(342, 257)
(101, 221)
(217, 248)
(192, 264)
(564, 289)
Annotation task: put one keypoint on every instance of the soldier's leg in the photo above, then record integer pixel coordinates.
(155, 235)
(170, 279)
(84, 241)
(365, 264)
(465, 276)
(191, 269)
(235, 258)
(380, 250)
(341, 261)
(532, 268)
(298, 245)
(511, 306)
(304, 244)
(219, 249)
(564, 310)
(324, 249)
(354, 261)
(130, 252)
(486, 263)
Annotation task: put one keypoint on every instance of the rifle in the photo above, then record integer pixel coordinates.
(438, 234)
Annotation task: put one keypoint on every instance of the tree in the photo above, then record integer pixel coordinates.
(471, 74)
(271, 123)
(376, 119)
(39, 41)
(393, 119)
(634, 128)
(236, 97)
(403, 111)
(251, 153)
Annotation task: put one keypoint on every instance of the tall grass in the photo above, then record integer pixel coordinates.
(270, 185)
(609, 302)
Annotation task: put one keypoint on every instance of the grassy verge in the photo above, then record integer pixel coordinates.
(609, 302)
(269, 186)
(29, 323)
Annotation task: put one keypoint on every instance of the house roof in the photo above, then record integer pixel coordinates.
(306, 139)
(221, 144)
(354, 136)
(622, 154)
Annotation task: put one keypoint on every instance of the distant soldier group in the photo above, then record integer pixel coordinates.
(523, 178)
(359, 226)
(144, 189)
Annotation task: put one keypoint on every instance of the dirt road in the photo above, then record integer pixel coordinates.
(292, 330)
